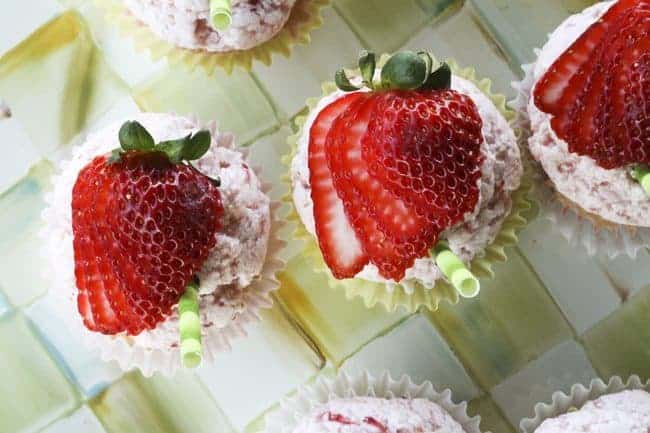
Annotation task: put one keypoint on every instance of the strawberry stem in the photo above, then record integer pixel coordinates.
(190, 326)
(220, 14)
(642, 175)
(455, 270)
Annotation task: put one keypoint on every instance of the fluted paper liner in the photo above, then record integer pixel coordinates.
(562, 403)
(411, 296)
(579, 227)
(256, 296)
(305, 17)
(293, 409)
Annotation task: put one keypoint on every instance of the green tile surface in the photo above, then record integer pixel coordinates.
(551, 317)
(33, 390)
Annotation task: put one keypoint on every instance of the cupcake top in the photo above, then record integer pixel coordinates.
(497, 174)
(188, 24)
(378, 415)
(208, 219)
(626, 411)
(577, 123)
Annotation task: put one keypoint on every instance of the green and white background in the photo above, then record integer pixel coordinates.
(551, 318)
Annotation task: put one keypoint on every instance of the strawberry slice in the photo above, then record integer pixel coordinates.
(551, 87)
(425, 147)
(341, 249)
(354, 186)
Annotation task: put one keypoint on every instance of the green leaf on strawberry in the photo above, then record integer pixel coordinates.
(135, 138)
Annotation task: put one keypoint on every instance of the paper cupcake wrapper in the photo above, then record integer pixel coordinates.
(562, 403)
(305, 17)
(257, 296)
(412, 296)
(580, 228)
(292, 410)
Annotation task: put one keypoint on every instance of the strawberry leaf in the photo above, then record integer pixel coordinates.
(405, 70)
(440, 79)
(367, 65)
(174, 149)
(343, 83)
(197, 145)
(134, 136)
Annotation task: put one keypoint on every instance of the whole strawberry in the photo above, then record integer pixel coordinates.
(144, 221)
(393, 168)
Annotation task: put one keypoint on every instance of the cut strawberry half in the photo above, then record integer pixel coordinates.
(341, 249)
(594, 91)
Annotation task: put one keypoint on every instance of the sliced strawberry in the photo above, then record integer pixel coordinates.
(388, 229)
(143, 226)
(342, 250)
(549, 90)
(600, 111)
(425, 147)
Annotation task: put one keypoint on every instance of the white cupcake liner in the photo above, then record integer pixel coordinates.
(597, 236)
(562, 403)
(120, 348)
(293, 409)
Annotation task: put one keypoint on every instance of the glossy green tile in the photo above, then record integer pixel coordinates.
(555, 370)
(33, 392)
(116, 47)
(159, 405)
(262, 367)
(521, 25)
(628, 276)
(512, 321)
(415, 347)
(586, 294)
(438, 7)
(69, 82)
(82, 420)
(23, 152)
(21, 276)
(382, 25)
(22, 18)
(620, 344)
(339, 326)
(492, 418)
(235, 101)
(475, 48)
(310, 65)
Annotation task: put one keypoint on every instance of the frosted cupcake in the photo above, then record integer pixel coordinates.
(626, 411)
(217, 32)
(366, 404)
(615, 406)
(405, 175)
(588, 116)
(371, 414)
(160, 239)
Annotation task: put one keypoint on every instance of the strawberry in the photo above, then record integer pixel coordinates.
(143, 224)
(404, 160)
(595, 89)
(341, 250)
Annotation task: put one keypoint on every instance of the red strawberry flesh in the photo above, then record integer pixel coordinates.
(339, 245)
(594, 90)
(143, 227)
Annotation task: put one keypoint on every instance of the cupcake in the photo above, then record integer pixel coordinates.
(405, 176)
(161, 242)
(371, 414)
(589, 126)
(602, 408)
(365, 404)
(217, 32)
